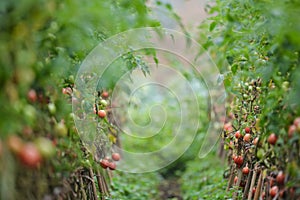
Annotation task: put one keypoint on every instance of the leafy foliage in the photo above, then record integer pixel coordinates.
(251, 42)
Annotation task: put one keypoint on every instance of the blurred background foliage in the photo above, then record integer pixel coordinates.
(43, 44)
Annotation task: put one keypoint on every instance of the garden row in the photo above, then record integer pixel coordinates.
(256, 47)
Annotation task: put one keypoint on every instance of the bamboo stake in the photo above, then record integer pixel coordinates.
(259, 185)
(246, 190)
(93, 184)
(252, 184)
(84, 197)
(240, 175)
(231, 177)
(101, 185)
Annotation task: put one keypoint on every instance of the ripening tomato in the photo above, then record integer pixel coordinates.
(297, 122)
(292, 130)
(237, 134)
(273, 191)
(272, 139)
(105, 95)
(280, 178)
(247, 137)
(115, 156)
(67, 90)
(235, 179)
(247, 129)
(255, 141)
(101, 113)
(32, 96)
(245, 170)
(14, 143)
(230, 145)
(30, 156)
(228, 127)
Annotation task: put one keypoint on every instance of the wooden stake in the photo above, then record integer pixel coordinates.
(231, 177)
(246, 190)
(259, 185)
(252, 184)
(93, 184)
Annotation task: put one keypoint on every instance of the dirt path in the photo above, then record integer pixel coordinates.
(170, 189)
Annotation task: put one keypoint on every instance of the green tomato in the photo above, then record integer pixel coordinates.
(52, 108)
(285, 85)
(29, 113)
(61, 129)
(260, 153)
(103, 102)
(45, 147)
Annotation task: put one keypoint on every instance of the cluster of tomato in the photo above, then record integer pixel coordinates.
(109, 162)
(100, 109)
(251, 151)
(31, 154)
(31, 149)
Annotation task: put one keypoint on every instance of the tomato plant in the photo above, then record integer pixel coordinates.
(44, 43)
(260, 64)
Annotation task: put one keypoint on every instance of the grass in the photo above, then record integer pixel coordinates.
(203, 179)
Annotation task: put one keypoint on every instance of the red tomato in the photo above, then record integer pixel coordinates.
(253, 191)
(30, 156)
(32, 96)
(105, 95)
(112, 165)
(104, 163)
(101, 113)
(273, 191)
(115, 156)
(245, 170)
(239, 160)
(247, 129)
(237, 134)
(247, 137)
(280, 178)
(272, 139)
